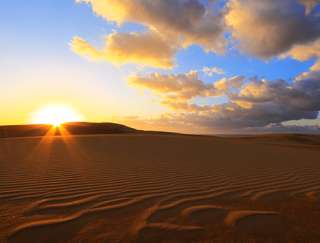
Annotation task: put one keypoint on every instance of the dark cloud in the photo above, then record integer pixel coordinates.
(257, 103)
(271, 27)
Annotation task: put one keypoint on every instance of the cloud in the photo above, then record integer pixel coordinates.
(269, 102)
(252, 104)
(269, 28)
(276, 102)
(173, 86)
(280, 128)
(146, 48)
(263, 28)
(316, 67)
(187, 21)
(228, 84)
(305, 52)
(83, 48)
(211, 71)
(177, 91)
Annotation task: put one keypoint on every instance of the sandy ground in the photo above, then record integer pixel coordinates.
(160, 188)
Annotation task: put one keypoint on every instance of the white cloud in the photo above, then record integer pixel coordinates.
(211, 71)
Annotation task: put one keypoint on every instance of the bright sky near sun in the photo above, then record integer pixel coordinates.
(192, 65)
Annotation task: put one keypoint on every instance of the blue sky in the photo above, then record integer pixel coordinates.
(35, 44)
(38, 66)
(44, 29)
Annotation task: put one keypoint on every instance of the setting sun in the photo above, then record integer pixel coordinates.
(56, 115)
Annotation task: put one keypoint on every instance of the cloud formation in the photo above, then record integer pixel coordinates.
(305, 52)
(175, 91)
(264, 29)
(210, 71)
(178, 90)
(120, 48)
(253, 103)
(269, 28)
(277, 101)
(226, 85)
(186, 21)
(316, 67)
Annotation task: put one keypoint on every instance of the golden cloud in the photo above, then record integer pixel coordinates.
(187, 22)
(146, 49)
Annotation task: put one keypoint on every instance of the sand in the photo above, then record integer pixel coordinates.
(160, 188)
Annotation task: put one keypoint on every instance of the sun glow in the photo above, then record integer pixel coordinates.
(56, 115)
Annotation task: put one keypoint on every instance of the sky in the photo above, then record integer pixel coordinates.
(194, 66)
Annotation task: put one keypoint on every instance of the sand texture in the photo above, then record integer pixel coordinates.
(147, 188)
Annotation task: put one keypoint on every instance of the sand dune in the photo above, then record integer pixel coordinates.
(160, 188)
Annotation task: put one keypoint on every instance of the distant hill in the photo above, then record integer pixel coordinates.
(77, 128)
(86, 128)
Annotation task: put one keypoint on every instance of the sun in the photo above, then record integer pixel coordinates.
(56, 115)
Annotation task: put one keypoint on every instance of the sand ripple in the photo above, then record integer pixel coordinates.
(158, 188)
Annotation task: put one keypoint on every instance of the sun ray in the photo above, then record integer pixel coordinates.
(54, 116)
